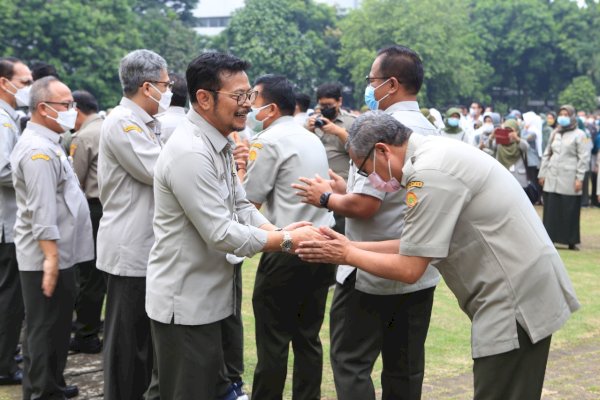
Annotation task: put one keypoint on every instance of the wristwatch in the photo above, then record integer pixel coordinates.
(287, 243)
(324, 199)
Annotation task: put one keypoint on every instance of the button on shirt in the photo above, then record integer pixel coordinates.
(9, 134)
(51, 205)
(469, 213)
(84, 153)
(278, 156)
(390, 216)
(197, 194)
(128, 152)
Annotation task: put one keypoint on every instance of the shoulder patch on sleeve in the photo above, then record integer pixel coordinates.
(411, 199)
(8, 125)
(414, 184)
(40, 156)
(130, 128)
(72, 149)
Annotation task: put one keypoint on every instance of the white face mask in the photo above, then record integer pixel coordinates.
(66, 119)
(21, 95)
(487, 128)
(165, 99)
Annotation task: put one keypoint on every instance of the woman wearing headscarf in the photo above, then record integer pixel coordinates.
(453, 129)
(514, 155)
(563, 167)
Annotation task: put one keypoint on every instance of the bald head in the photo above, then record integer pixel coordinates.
(49, 96)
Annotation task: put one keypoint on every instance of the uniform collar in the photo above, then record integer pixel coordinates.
(414, 141)
(40, 130)
(137, 110)
(282, 120)
(403, 106)
(9, 110)
(217, 140)
(89, 120)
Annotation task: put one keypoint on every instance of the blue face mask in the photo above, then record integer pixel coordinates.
(370, 100)
(453, 122)
(563, 121)
(252, 122)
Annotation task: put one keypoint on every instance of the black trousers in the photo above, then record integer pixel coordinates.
(11, 308)
(91, 286)
(190, 361)
(289, 306)
(515, 375)
(127, 342)
(365, 325)
(47, 332)
(595, 189)
(232, 330)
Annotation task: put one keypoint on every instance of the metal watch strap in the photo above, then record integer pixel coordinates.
(287, 243)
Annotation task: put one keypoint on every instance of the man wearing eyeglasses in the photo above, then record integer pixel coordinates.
(129, 146)
(372, 315)
(15, 81)
(53, 232)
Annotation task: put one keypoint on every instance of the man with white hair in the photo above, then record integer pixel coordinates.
(129, 147)
(53, 232)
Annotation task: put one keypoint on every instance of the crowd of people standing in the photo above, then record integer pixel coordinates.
(155, 209)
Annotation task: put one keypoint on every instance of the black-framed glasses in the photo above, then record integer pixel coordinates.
(370, 79)
(360, 170)
(240, 98)
(68, 104)
(168, 84)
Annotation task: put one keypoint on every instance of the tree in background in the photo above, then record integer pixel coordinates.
(295, 38)
(438, 30)
(581, 94)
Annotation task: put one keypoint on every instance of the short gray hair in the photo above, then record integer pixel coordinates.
(138, 67)
(40, 91)
(375, 127)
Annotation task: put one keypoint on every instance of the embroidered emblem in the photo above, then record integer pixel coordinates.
(130, 128)
(40, 156)
(252, 155)
(413, 184)
(411, 199)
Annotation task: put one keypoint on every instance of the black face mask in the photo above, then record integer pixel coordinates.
(330, 113)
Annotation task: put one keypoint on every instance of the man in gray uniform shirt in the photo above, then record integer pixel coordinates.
(371, 315)
(499, 262)
(203, 225)
(90, 280)
(15, 83)
(129, 146)
(289, 294)
(52, 233)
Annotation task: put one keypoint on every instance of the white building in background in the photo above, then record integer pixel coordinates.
(214, 15)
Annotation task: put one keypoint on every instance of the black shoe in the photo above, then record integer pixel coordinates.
(573, 247)
(71, 391)
(91, 345)
(13, 379)
(18, 358)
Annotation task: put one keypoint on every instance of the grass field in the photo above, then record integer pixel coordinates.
(448, 343)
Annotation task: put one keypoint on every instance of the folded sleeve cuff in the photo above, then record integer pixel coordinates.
(41, 232)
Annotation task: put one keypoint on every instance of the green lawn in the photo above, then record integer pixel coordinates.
(448, 343)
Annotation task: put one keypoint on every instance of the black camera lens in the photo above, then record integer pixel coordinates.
(319, 123)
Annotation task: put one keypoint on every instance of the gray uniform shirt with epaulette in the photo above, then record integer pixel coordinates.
(468, 213)
(9, 134)
(388, 222)
(51, 205)
(129, 149)
(84, 153)
(198, 198)
(278, 156)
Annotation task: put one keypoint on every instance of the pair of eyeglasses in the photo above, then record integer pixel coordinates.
(360, 170)
(67, 104)
(240, 98)
(370, 79)
(168, 84)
